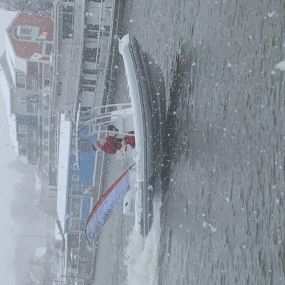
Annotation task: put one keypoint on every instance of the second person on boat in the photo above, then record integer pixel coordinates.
(111, 143)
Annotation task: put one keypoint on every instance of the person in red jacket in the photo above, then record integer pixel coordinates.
(111, 144)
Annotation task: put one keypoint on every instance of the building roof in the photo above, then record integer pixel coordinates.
(26, 49)
(5, 67)
(62, 174)
(6, 19)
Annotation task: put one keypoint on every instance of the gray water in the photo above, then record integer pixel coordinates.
(223, 212)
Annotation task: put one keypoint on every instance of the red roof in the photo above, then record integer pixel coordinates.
(26, 49)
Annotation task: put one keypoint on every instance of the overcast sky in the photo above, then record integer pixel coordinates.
(8, 177)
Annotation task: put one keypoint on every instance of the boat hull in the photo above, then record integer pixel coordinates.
(147, 98)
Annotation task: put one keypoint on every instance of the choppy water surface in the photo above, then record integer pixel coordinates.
(223, 213)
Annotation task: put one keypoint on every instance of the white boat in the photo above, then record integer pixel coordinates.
(148, 117)
(145, 115)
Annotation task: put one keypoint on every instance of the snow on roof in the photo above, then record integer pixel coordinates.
(11, 118)
(57, 234)
(40, 252)
(6, 19)
(12, 125)
(63, 161)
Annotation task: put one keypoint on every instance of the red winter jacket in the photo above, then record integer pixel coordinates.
(111, 145)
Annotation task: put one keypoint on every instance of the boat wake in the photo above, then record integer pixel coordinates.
(141, 256)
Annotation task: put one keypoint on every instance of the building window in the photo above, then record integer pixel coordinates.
(23, 150)
(25, 33)
(46, 83)
(74, 225)
(75, 207)
(48, 48)
(21, 79)
(85, 109)
(88, 82)
(107, 28)
(105, 31)
(91, 54)
(91, 34)
(22, 129)
(89, 71)
(67, 25)
(92, 27)
(46, 69)
(22, 136)
(104, 34)
(87, 88)
(95, 34)
(45, 134)
(86, 116)
(75, 177)
(92, 31)
(59, 88)
(31, 108)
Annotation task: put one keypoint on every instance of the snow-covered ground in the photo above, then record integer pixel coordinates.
(5, 93)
